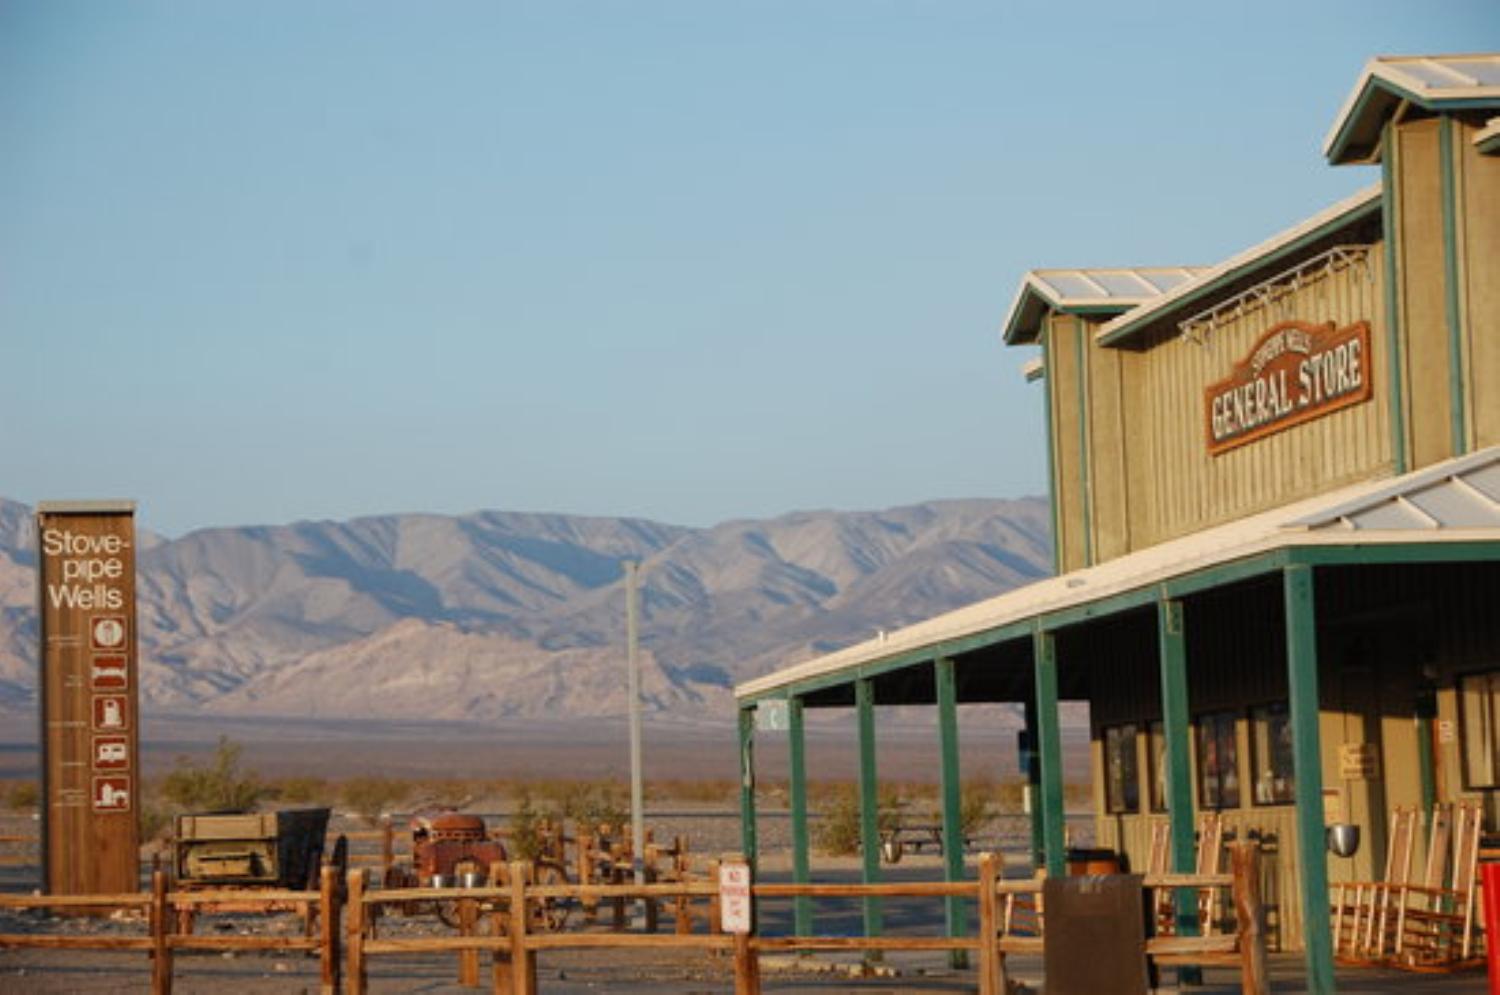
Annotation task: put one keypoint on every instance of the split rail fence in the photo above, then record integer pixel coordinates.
(1011, 921)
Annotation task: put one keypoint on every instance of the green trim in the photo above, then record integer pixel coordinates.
(1054, 839)
(1451, 302)
(748, 841)
(1172, 648)
(1395, 359)
(1302, 683)
(1468, 551)
(1052, 485)
(802, 917)
(1426, 711)
(945, 679)
(1085, 481)
(1353, 216)
(1375, 87)
(869, 801)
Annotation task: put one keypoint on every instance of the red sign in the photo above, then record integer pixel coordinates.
(112, 793)
(111, 752)
(110, 713)
(109, 673)
(1296, 372)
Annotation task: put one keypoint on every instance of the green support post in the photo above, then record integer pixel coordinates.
(797, 775)
(1033, 771)
(869, 800)
(1049, 746)
(1172, 647)
(953, 835)
(747, 784)
(1302, 680)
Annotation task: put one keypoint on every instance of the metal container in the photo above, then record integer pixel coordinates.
(471, 879)
(1342, 839)
(271, 849)
(440, 881)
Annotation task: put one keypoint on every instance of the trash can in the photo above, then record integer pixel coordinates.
(1095, 940)
(1489, 878)
(1092, 861)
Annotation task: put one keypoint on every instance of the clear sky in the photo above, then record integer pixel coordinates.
(693, 261)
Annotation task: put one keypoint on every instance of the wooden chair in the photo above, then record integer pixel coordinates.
(1364, 923)
(1209, 860)
(1437, 921)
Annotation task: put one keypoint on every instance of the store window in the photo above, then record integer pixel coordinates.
(1271, 754)
(1156, 750)
(1122, 778)
(1218, 762)
(1479, 710)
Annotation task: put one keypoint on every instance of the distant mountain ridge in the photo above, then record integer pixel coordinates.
(499, 614)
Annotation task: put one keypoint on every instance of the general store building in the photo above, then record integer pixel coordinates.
(1276, 494)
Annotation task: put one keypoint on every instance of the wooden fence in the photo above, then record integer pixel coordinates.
(1011, 920)
(165, 910)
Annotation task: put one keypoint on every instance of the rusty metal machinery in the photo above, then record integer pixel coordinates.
(445, 844)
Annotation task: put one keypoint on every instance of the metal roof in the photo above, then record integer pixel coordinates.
(1433, 82)
(1297, 241)
(1454, 501)
(1488, 138)
(1087, 291)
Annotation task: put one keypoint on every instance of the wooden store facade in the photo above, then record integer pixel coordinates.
(1275, 486)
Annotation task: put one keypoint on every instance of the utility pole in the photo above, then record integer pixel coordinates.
(637, 794)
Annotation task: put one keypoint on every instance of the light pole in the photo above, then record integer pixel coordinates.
(637, 795)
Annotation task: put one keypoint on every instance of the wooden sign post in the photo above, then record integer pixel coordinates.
(90, 733)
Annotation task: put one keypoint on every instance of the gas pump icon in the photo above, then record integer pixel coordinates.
(109, 712)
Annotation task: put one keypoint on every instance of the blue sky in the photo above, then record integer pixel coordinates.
(692, 261)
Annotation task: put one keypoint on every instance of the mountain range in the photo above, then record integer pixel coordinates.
(498, 614)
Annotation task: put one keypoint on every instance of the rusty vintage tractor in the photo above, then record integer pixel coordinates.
(446, 846)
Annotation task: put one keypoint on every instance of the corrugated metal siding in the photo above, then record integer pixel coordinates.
(1479, 216)
(1182, 487)
(1423, 326)
(1062, 389)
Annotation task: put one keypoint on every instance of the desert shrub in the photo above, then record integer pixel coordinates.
(301, 790)
(155, 821)
(372, 797)
(23, 796)
(837, 830)
(218, 787)
(526, 841)
(589, 804)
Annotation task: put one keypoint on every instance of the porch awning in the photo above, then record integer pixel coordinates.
(1449, 503)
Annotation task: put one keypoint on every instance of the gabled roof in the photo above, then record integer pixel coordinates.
(1434, 83)
(1299, 241)
(1086, 291)
(1487, 141)
(1458, 501)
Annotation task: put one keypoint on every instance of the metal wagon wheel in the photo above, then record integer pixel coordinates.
(550, 914)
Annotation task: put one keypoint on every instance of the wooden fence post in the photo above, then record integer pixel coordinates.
(585, 872)
(328, 928)
(387, 851)
(500, 967)
(161, 950)
(523, 964)
(468, 960)
(354, 935)
(649, 876)
(989, 943)
(746, 966)
(1245, 866)
(617, 876)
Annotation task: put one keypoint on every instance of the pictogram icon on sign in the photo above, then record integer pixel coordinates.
(109, 713)
(108, 632)
(112, 793)
(108, 673)
(111, 753)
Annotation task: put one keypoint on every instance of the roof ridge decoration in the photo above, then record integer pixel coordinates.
(1096, 290)
(1435, 83)
(1284, 244)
